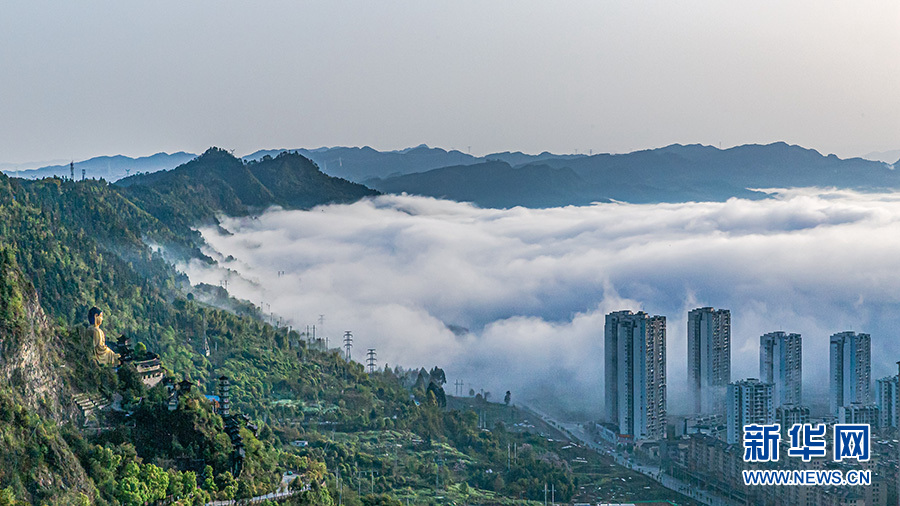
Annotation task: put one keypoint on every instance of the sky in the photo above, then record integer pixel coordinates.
(82, 79)
(532, 286)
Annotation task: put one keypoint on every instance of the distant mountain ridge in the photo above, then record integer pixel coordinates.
(363, 164)
(494, 183)
(110, 168)
(892, 157)
(675, 173)
(217, 182)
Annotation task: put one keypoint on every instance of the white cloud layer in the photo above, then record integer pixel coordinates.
(533, 286)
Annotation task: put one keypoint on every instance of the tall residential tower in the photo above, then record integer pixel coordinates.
(780, 363)
(709, 358)
(750, 401)
(635, 370)
(886, 396)
(851, 370)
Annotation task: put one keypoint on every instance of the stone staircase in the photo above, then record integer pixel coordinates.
(90, 403)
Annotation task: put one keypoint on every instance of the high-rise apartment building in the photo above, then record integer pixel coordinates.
(750, 401)
(635, 371)
(886, 395)
(787, 415)
(781, 363)
(709, 358)
(859, 413)
(850, 370)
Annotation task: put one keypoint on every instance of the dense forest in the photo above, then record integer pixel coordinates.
(303, 419)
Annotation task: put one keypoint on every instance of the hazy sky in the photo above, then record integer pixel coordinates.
(79, 79)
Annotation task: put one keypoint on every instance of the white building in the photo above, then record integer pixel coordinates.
(886, 396)
(709, 358)
(750, 401)
(850, 370)
(635, 372)
(781, 363)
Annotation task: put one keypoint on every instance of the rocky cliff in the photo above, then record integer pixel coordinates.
(34, 398)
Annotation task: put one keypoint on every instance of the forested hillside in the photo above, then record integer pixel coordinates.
(77, 433)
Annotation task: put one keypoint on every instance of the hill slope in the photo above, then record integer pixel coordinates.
(217, 182)
(34, 394)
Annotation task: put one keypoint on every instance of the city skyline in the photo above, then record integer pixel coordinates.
(780, 366)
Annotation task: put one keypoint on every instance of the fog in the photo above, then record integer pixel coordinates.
(531, 287)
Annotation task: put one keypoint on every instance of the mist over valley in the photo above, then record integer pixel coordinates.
(532, 286)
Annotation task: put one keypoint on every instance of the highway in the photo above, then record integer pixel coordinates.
(576, 433)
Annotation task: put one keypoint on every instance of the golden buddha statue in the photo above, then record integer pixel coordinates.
(102, 354)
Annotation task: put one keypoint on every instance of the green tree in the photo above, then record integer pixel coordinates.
(7, 497)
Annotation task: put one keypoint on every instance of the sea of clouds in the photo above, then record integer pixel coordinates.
(531, 286)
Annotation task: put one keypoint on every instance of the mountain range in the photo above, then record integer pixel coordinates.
(364, 164)
(673, 173)
(110, 168)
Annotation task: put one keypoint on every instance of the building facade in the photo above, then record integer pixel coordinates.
(886, 396)
(787, 415)
(635, 372)
(781, 364)
(850, 370)
(859, 413)
(709, 358)
(750, 401)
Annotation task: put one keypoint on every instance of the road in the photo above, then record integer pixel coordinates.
(282, 492)
(576, 432)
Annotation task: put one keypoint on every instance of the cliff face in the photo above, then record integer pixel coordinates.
(30, 352)
(34, 397)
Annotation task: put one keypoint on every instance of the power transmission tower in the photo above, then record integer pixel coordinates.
(72, 170)
(459, 387)
(348, 343)
(370, 360)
